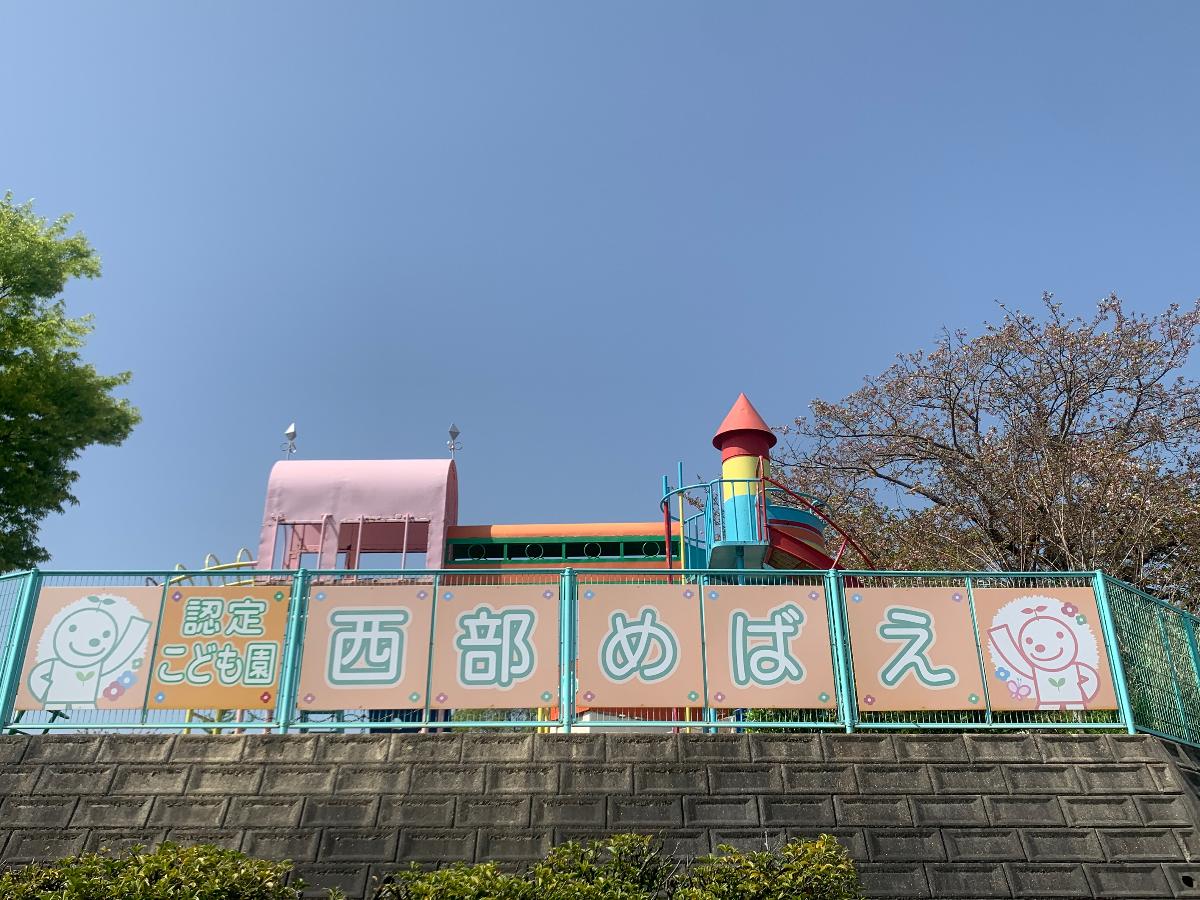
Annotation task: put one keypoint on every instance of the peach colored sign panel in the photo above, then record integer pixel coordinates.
(366, 646)
(1045, 648)
(219, 647)
(639, 645)
(89, 648)
(768, 646)
(495, 645)
(914, 648)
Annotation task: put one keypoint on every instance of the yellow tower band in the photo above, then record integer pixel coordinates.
(743, 471)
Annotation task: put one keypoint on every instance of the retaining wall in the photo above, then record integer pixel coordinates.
(946, 816)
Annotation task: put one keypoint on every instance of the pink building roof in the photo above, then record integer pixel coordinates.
(340, 493)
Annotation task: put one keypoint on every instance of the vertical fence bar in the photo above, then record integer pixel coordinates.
(1184, 724)
(1189, 630)
(1115, 663)
(566, 643)
(843, 676)
(983, 678)
(433, 611)
(289, 673)
(701, 586)
(18, 639)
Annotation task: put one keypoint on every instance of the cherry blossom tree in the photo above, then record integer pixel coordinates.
(1046, 442)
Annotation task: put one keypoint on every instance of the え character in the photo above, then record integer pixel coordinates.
(1046, 650)
(87, 645)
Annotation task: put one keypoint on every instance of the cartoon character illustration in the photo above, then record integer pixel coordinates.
(1047, 650)
(85, 642)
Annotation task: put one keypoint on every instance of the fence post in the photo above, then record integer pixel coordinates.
(289, 673)
(843, 676)
(566, 647)
(1108, 629)
(18, 639)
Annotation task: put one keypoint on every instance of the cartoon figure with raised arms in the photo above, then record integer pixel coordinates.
(86, 641)
(1050, 650)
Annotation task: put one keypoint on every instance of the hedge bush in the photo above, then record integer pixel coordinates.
(633, 867)
(623, 867)
(169, 872)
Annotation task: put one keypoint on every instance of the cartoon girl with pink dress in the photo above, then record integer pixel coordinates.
(1046, 651)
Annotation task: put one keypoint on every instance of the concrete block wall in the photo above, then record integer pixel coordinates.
(945, 816)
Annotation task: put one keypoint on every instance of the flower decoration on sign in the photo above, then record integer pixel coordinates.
(1081, 618)
(688, 594)
(813, 595)
(421, 595)
(547, 594)
(177, 596)
(547, 696)
(113, 691)
(448, 595)
(309, 698)
(713, 595)
(588, 595)
(693, 696)
(320, 595)
(1003, 673)
(414, 697)
(589, 696)
(160, 697)
(265, 696)
(441, 698)
(972, 698)
(1069, 609)
(823, 697)
(718, 696)
(957, 598)
(279, 595)
(856, 598)
(869, 700)
(127, 679)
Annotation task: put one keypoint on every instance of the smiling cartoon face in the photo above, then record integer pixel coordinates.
(85, 637)
(1048, 643)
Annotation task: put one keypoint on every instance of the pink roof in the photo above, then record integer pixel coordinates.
(340, 491)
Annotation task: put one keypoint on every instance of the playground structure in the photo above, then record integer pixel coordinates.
(345, 514)
(745, 606)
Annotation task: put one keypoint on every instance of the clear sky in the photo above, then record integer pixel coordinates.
(575, 229)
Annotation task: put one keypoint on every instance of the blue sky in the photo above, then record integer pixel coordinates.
(577, 230)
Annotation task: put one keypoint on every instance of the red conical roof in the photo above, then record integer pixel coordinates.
(743, 417)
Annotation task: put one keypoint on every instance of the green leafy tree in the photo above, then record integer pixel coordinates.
(52, 403)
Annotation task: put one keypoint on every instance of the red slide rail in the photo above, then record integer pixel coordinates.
(847, 540)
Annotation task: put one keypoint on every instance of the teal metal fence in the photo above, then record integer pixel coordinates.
(1158, 650)
(1151, 648)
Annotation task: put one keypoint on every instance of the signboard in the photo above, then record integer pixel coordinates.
(219, 647)
(495, 645)
(768, 646)
(366, 647)
(89, 648)
(1045, 649)
(639, 645)
(913, 648)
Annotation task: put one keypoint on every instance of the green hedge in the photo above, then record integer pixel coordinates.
(632, 867)
(170, 872)
(623, 867)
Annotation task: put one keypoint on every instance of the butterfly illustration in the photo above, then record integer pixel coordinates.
(1019, 691)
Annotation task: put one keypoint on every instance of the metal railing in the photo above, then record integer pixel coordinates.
(1145, 651)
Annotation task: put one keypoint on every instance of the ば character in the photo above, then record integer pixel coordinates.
(87, 646)
(1046, 650)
